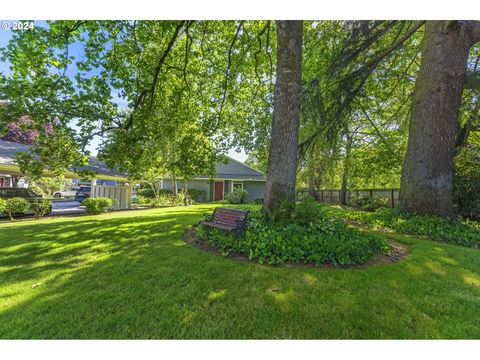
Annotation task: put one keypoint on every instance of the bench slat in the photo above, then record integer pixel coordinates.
(216, 225)
(227, 219)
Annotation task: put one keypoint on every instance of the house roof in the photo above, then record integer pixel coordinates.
(235, 170)
(8, 151)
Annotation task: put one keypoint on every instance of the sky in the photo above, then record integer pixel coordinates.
(77, 51)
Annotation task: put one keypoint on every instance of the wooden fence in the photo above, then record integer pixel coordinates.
(122, 194)
(332, 196)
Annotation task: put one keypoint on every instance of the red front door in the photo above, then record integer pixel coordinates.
(218, 190)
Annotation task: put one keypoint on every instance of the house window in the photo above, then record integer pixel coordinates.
(237, 185)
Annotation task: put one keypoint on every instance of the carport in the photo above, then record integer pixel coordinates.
(121, 193)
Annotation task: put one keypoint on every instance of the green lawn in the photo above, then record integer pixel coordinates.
(129, 275)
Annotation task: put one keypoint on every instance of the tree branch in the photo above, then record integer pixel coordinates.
(227, 72)
(162, 60)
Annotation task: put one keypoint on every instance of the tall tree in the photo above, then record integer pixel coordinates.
(427, 175)
(282, 159)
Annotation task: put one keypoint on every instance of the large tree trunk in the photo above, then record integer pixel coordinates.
(282, 158)
(427, 175)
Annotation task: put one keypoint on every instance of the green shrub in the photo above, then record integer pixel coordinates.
(466, 185)
(16, 205)
(323, 241)
(237, 196)
(37, 190)
(179, 199)
(41, 207)
(284, 212)
(198, 194)
(307, 211)
(367, 203)
(162, 201)
(142, 200)
(223, 201)
(465, 233)
(2, 206)
(97, 205)
(148, 192)
(258, 201)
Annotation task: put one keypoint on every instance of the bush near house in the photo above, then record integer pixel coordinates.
(41, 208)
(198, 194)
(97, 205)
(16, 205)
(148, 192)
(37, 190)
(2, 206)
(162, 201)
(237, 196)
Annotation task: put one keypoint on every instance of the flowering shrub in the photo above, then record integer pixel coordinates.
(21, 132)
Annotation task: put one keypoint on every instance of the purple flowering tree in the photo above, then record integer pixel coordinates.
(20, 132)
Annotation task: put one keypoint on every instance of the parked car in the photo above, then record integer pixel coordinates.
(65, 193)
(28, 194)
(83, 193)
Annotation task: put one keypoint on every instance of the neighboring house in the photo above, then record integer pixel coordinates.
(9, 168)
(230, 176)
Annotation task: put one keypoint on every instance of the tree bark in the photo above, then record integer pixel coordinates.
(282, 158)
(427, 174)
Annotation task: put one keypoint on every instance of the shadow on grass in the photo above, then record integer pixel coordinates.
(122, 276)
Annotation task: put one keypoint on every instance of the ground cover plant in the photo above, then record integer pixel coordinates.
(130, 275)
(457, 232)
(307, 238)
(367, 203)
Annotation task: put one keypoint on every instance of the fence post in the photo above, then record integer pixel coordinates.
(393, 198)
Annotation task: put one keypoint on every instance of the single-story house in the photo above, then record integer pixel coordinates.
(230, 176)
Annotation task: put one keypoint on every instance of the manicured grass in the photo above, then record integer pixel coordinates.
(129, 275)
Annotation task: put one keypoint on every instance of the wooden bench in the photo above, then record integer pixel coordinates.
(231, 220)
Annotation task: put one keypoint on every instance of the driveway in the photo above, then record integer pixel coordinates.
(62, 207)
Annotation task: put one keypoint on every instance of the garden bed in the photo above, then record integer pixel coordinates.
(396, 251)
